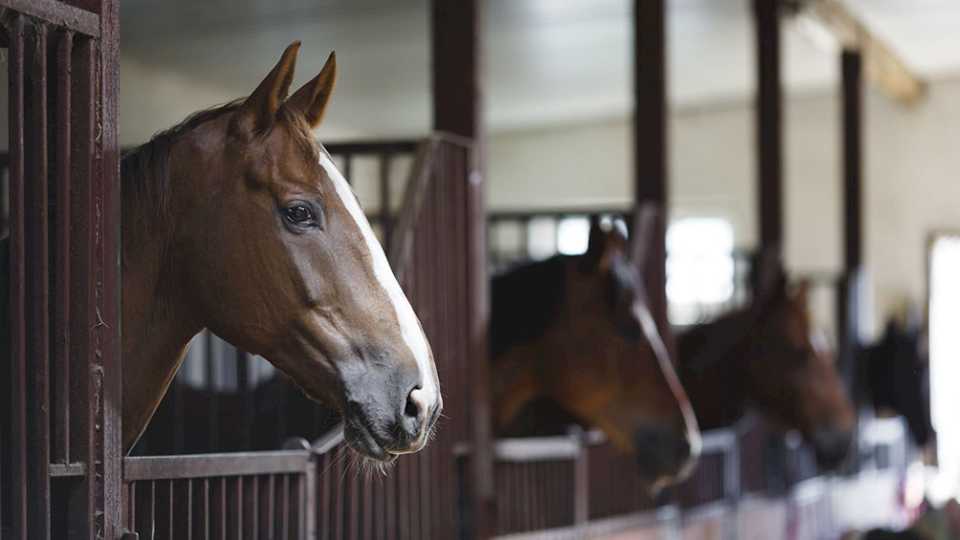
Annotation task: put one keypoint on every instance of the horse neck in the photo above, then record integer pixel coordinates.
(157, 327)
(524, 303)
(713, 376)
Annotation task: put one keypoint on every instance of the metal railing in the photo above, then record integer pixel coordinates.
(576, 486)
(239, 495)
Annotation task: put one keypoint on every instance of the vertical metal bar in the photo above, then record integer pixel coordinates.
(170, 508)
(255, 528)
(151, 530)
(132, 505)
(37, 285)
(61, 325)
(189, 509)
(206, 509)
(271, 520)
(238, 509)
(83, 399)
(309, 504)
(17, 494)
(222, 507)
(353, 512)
(769, 127)
(285, 505)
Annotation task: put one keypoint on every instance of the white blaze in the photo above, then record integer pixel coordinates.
(410, 327)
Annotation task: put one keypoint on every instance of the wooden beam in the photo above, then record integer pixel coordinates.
(769, 128)
(650, 140)
(849, 288)
(457, 108)
(456, 68)
(882, 65)
(852, 93)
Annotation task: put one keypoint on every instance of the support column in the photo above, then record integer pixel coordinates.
(457, 108)
(769, 130)
(650, 139)
(849, 287)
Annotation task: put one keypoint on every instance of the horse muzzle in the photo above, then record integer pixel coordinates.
(664, 455)
(389, 413)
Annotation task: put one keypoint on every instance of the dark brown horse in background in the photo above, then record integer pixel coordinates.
(768, 356)
(897, 374)
(237, 221)
(577, 330)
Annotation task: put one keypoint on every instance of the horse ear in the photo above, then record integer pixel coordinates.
(596, 244)
(645, 217)
(800, 295)
(262, 105)
(768, 277)
(312, 98)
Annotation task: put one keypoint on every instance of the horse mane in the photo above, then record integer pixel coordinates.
(710, 342)
(525, 301)
(145, 170)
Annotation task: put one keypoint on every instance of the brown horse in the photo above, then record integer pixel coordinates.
(237, 221)
(576, 330)
(768, 355)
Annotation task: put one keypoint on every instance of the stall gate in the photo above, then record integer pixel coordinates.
(60, 457)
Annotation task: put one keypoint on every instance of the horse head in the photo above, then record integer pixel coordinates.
(792, 373)
(597, 352)
(266, 245)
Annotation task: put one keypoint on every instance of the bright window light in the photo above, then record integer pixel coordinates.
(945, 361)
(700, 266)
(542, 238)
(573, 235)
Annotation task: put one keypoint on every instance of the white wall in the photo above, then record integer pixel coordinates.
(911, 185)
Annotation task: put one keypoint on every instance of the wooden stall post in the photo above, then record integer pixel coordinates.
(849, 293)
(457, 108)
(650, 142)
(769, 132)
(107, 201)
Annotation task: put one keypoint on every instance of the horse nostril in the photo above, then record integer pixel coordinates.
(412, 408)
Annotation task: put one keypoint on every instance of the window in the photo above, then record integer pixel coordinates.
(945, 362)
(700, 268)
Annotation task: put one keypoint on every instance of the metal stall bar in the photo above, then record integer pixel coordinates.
(36, 267)
(60, 375)
(17, 463)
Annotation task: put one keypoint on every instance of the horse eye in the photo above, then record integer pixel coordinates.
(299, 214)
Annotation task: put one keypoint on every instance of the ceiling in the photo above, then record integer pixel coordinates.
(548, 62)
